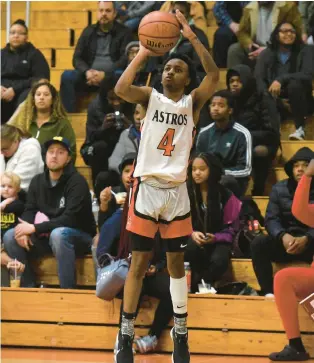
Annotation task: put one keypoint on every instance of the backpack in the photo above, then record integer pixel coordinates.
(250, 224)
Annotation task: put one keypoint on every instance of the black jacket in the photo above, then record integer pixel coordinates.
(279, 218)
(250, 109)
(233, 145)
(86, 47)
(67, 204)
(19, 69)
(265, 69)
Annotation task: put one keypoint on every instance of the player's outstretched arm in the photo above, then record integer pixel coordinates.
(208, 86)
(124, 87)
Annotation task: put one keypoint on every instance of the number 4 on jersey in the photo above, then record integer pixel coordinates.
(166, 142)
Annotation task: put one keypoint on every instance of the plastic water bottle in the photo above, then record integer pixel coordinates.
(95, 209)
(187, 269)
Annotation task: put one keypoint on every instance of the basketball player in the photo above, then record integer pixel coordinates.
(159, 197)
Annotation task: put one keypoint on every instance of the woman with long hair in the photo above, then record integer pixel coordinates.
(20, 154)
(215, 211)
(295, 284)
(43, 116)
(284, 72)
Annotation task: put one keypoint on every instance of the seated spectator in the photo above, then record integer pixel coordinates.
(43, 116)
(112, 200)
(288, 239)
(129, 139)
(294, 284)
(306, 9)
(228, 15)
(183, 46)
(231, 141)
(214, 211)
(11, 207)
(20, 155)
(250, 110)
(107, 117)
(21, 65)
(285, 70)
(258, 21)
(58, 217)
(131, 12)
(100, 49)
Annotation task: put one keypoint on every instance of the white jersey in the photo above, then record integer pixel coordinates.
(166, 139)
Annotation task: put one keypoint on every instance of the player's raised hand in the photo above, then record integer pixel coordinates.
(146, 52)
(186, 29)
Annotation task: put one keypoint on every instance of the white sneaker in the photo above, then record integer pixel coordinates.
(299, 134)
(269, 296)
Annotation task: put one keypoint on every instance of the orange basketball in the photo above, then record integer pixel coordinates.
(159, 31)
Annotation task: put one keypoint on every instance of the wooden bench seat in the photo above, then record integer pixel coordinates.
(46, 271)
(229, 325)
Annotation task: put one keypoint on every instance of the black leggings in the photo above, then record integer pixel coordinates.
(157, 286)
(208, 263)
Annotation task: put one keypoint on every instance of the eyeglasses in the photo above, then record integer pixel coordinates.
(286, 31)
(17, 33)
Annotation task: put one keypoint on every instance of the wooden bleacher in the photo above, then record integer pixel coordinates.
(228, 325)
(54, 318)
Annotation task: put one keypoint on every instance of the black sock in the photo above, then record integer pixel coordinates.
(297, 344)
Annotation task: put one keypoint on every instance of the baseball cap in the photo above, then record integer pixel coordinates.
(59, 140)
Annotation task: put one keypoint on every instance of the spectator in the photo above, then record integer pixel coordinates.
(107, 116)
(43, 116)
(285, 71)
(21, 64)
(112, 200)
(250, 110)
(288, 239)
(11, 207)
(228, 15)
(131, 12)
(294, 284)
(100, 49)
(231, 141)
(258, 21)
(129, 139)
(183, 46)
(214, 211)
(306, 9)
(20, 155)
(58, 217)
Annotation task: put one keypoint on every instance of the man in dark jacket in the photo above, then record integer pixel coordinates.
(21, 65)
(250, 110)
(231, 141)
(288, 239)
(58, 216)
(100, 49)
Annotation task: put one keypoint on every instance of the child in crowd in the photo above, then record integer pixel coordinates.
(11, 209)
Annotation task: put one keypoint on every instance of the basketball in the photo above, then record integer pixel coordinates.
(159, 31)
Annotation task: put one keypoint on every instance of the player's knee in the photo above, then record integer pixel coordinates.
(139, 264)
(175, 264)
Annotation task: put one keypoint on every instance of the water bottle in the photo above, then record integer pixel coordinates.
(187, 269)
(95, 209)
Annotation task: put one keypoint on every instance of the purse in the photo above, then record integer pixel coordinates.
(111, 277)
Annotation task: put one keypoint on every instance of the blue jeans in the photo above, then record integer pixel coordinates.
(65, 243)
(133, 23)
(73, 82)
(109, 232)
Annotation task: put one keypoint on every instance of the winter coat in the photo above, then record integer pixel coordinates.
(20, 68)
(279, 218)
(26, 162)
